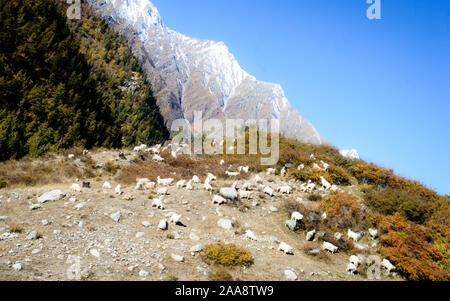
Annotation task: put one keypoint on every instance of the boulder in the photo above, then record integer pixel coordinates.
(229, 193)
(290, 275)
(225, 224)
(51, 196)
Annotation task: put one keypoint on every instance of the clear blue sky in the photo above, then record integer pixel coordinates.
(380, 86)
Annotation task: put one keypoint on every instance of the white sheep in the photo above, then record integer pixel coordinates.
(387, 265)
(296, 216)
(140, 147)
(287, 249)
(158, 158)
(355, 260)
(271, 171)
(258, 179)
(217, 199)
(283, 171)
(353, 235)
(301, 166)
(329, 247)
(189, 185)
(175, 218)
(165, 182)
(181, 183)
(244, 169)
(222, 162)
(247, 186)
(325, 184)
(118, 189)
(158, 203)
(284, 189)
(310, 235)
(163, 191)
(210, 177)
(107, 185)
(208, 187)
(76, 187)
(269, 191)
(232, 174)
(245, 194)
(373, 233)
(351, 268)
(196, 180)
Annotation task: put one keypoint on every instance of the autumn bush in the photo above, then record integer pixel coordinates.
(410, 247)
(228, 254)
(343, 211)
(369, 173)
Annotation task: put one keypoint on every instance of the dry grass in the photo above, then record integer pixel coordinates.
(15, 228)
(228, 254)
(220, 274)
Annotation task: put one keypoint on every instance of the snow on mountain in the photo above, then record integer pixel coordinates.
(189, 74)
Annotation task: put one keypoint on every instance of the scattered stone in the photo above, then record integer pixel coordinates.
(51, 196)
(177, 258)
(290, 275)
(115, 216)
(140, 234)
(95, 253)
(163, 224)
(273, 209)
(35, 206)
(197, 248)
(287, 249)
(146, 224)
(225, 224)
(32, 235)
(45, 222)
(250, 235)
(17, 266)
(194, 237)
(143, 273)
(292, 225)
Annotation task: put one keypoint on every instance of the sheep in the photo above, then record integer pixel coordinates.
(163, 191)
(271, 171)
(139, 186)
(149, 185)
(258, 179)
(217, 199)
(301, 166)
(373, 233)
(351, 268)
(284, 189)
(329, 247)
(269, 191)
(158, 158)
(353, 235)
(325, 184)
(158, 203)
(355, 260)
(338, 236)
(76, 187)
(208, 187)
(316, 166)
(245, 194)
(189, 185)
(107, 185)
(310, 235)
(181, 184)
(165, 182)
(244, 169)
(247, 186)
(296, 216)
(325, 165)
(387, 265)
(196, 180)
(232, 174)
(222, 162)
(118, 190)
(287, 249)
(140, 148)
(210, 177)
(283, 171)
(175, 218)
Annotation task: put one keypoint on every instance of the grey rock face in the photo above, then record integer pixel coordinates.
(189, 74)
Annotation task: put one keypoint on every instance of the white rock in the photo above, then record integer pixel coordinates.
(17, 266)
(177, 258)
(140, 234)
(115, 216)
(197, 248)
(143, 273)
(225, 224)
(229, 193)
(51, 196)
(296, 216)
(290, 275)
(146, 224)
(217, 199)
(163, 224)
(250, 235)
(35, 206)
(95, 253)
(273, 209)
(44, 222)
(194, 236)
(32, 235)
(107, 185)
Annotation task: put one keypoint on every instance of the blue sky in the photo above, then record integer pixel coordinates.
(380, 86)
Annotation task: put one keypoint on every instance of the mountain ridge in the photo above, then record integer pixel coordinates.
(191, 74)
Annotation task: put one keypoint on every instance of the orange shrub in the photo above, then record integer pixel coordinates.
(343, 211)
(410, 248)
(369, 173)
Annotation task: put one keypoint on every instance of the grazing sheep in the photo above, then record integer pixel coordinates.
(287, 249)
(196, 180)
(222, 162)
(140, 148)
(325, 184)
(355, 260)
(351, 268)
(284, 189)
(247, 186)
(181, 183)
(158, 203)
(76, 187)
(387, 265)
(338, 236)
(229, 193)
(315, 166)
(283, 171)
(149, 185)
(296, 216)
(269, 191)
(139, 186)
(217, 199)
(232, 174)
(244, 169)
(373, 233)
(310, 235)
(258, 179)
(271, 171)
(210, 177)
(208, 187)
(107, 185)
(301, 166)
(189, 185)
(329, 247)
(175, 218)
(245, 194)
(353, 235)
(165, 182)
(158, 158)
(118, 190)
(163, 191)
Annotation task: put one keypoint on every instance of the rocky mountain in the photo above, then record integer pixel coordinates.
(189, 74)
